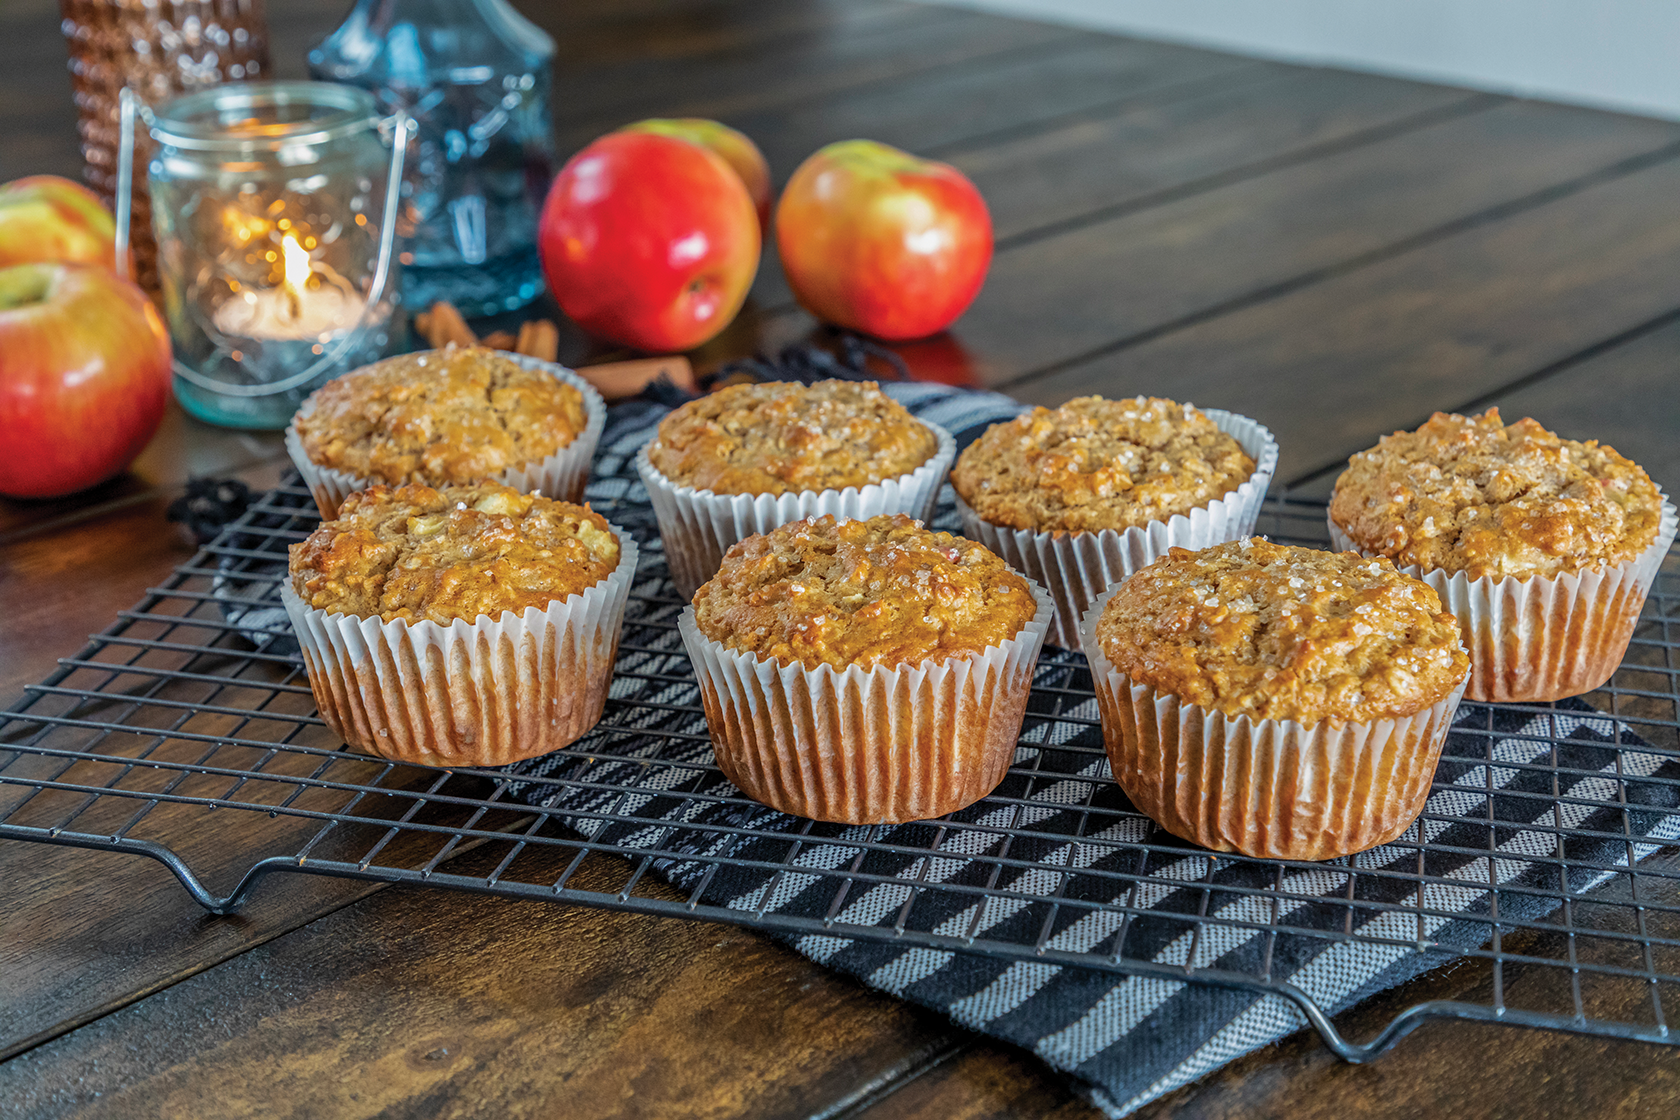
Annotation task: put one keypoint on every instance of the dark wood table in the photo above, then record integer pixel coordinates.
(1336, 254)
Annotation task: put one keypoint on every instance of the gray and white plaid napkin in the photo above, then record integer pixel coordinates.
(1125, 1040)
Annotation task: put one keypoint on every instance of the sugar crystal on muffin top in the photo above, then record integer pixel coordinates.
(784, 438)
(1471, 494)
(440, 416)
(882, 591)
(416, 553)
(1096, 464)
(1276, 632)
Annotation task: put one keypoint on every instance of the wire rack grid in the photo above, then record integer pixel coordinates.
(186, 732)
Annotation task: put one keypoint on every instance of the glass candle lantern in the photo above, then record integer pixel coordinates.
(273, 204)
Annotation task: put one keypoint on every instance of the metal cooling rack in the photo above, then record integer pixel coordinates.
(186, 732)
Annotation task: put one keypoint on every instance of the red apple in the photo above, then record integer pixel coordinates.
(48, 218)
(877, 240)
(649, 241)
(84, 377)
(736, 149)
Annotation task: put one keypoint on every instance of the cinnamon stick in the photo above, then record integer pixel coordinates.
(617, 380)
(539, 338)
(444, 325)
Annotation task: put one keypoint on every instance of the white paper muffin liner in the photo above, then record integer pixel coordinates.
(698, 526)
(482, 693)
(1543, 638)
(1076, 567)
(1269, 788)
(561, 475)
(867, 746)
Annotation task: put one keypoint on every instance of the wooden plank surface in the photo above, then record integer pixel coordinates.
(1330, 366)
(1102, 162)
(1098, 296)
(1101, 287)
(1624, 392)
(1069, 169)
(428, 1005)
(956, 103)
(1336, 254)
(901, 44)
(1628, 396)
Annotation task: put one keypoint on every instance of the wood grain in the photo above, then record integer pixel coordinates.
(1625, 393)
(421, 1004)
(59, 587)
(1084, 289)
(1628, 397)
(1109, 285)
(1131, 154)
(1331, 367)
(120, 927)
(798, 78)
(633, 47)
(722, 59)
(1075, 167)
(983, 1081)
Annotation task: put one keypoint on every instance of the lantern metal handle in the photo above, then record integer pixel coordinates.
(402, 127)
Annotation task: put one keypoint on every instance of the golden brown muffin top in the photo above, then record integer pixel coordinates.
(879, 592)
(1096, 464)
(1470, 494)
(1272, 632)
(783, 438)
(440, 416)
(416, 553)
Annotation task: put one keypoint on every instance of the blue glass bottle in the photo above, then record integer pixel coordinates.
(475, 75)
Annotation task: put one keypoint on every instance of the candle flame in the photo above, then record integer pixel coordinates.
(297, 268)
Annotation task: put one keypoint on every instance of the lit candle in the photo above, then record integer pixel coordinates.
(293, 311)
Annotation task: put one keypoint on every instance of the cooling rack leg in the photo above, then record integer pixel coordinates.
(1357, 1053)
(229, 904)
(1415, 1016)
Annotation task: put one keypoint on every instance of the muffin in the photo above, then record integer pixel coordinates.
(443, 417)
(461, 625)
(1081, 496)
(748, 458)
(864, 671)
(1280, 702)
(1543, 548)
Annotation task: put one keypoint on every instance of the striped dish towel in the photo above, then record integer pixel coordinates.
(1122, 1040)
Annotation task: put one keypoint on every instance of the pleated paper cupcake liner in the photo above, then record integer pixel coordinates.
(1268, 788)
(1078, 567)
(561, 475)
(482, 693)
(698, 526)
(867, 746)
(1544, 638)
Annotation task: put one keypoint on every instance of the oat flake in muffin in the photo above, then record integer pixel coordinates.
(784, 438)
(1471, 494)
(439, 416)
(1252, 628)
(1096, 464)
(884, 591)
(415, 553)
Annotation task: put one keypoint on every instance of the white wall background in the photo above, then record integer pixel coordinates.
(1615, 54)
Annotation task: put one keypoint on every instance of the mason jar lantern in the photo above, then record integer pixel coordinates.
(273, 206)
